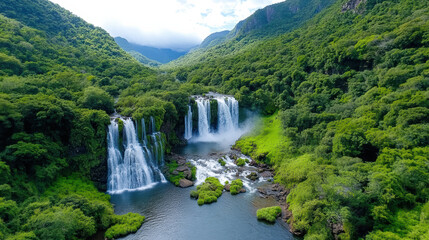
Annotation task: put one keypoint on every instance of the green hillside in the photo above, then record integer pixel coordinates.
(343, 87)
(58, 79)
(352, 89)
(266, 23)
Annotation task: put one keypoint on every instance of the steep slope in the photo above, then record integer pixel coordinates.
(161, 55)
(352, 89)
(264, 23)
(58, 76)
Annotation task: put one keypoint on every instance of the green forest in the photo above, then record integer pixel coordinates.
(344, 99)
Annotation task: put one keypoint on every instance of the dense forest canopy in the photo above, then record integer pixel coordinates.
(345, 91)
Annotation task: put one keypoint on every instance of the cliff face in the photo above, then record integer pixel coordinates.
(353, 5)
(281, 17)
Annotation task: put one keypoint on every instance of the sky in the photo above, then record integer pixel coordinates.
(175, 24)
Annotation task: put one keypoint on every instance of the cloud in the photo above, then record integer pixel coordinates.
(176, 24)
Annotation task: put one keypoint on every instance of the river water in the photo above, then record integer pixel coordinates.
(171, 213)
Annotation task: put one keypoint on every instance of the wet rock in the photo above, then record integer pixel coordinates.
(184, 183)
(188, 174)
(266, 174)
(181, 161)
(175, 172)
(253, 163)
(227, 187)
(182, 168)
(276, 191)
(242, 190)
(253, 176)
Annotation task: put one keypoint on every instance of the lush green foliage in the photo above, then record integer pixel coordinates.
(236, 186)
(58, 77)
(351, 135)
(208, 192)
(125, 224)
(269, 213)
(240, 162)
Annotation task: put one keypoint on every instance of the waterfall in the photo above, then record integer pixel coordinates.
(188, 124)
(203, 117)
(227, 119)
(138, 166)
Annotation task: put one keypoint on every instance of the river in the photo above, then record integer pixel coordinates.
(171, 214)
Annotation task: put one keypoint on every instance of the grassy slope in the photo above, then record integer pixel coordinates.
(267, 139)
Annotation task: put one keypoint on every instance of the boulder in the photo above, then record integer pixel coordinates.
(242, 190)
(175, 172)
(266, 174)
(181, 161)
(253, 176)
(227, 187)
(188, 174)
(182, 168)
(184, 183)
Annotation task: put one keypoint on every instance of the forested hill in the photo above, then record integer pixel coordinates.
(351, 90)
(58, 79)
(265, 23)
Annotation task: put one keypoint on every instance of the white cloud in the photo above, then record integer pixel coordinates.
(164, 23)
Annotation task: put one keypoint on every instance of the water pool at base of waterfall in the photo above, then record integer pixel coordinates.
(171, 213)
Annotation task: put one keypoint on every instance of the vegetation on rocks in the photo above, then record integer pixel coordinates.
(236, 186)
(208, 192)
(269, 214)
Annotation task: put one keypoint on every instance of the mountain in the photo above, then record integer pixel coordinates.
(214, 39)
(268, 22)
(162, 55)
(143, 59)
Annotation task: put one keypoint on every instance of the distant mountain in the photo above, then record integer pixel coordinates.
(162, 55)
(144, 60)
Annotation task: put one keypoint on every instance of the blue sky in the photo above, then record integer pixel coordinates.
(176, 24)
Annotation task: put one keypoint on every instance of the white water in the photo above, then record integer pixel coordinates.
(212, 168)
(137, 168)
(188, 124)
(203, 117)
(228, 129)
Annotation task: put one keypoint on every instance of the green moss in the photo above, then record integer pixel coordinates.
(269, 213)
(125, 224)
(240, 162)
(208, 192)
(221, 161)
(236, 186)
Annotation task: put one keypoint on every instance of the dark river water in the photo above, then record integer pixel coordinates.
(171, 214)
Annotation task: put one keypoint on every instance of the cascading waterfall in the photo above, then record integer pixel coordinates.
(225, 122)
(138, 166)
(227, 119)
(188, 124)
(203, 117)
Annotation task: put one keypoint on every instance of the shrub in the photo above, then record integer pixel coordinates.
(125, 224)
(269, 213)
(208, 192)
(221, 161)
(236, 186)
(240, 162)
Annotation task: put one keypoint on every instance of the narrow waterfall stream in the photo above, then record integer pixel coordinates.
(170, 212)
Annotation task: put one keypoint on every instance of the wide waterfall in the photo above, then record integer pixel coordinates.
(137, 166)
(223, 126)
